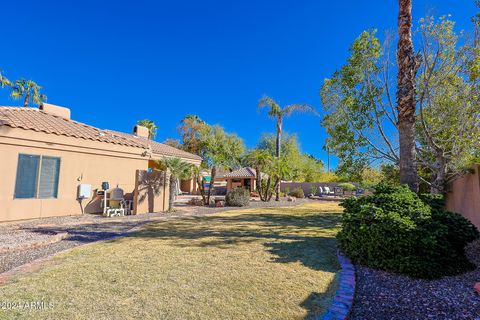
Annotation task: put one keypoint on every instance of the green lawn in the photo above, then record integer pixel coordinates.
(277, 263)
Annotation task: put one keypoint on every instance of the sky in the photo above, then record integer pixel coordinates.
(115, 62)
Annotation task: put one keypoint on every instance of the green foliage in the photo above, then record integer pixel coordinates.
(313, 189)
(27, 90)
(297, 193)
(238, 197)
(304, 167)
(347, 186)
(218, 148)
(394, 230)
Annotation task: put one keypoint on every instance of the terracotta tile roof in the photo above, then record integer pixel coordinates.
(245, 172)
(156, 147)
(40, 121)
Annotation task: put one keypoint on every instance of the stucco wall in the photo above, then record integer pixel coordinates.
(82, 161)
(464, 196)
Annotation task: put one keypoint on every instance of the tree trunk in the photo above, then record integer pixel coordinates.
(171, 196)
(438, 184)
(201, 187)
(212, 179)
(27, 98)
(406, 97)
(279, 150)
(268, 194)
(259, 182)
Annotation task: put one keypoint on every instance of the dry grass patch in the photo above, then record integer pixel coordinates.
(268, 263)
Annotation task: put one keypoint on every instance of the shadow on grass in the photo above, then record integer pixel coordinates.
(308, 239)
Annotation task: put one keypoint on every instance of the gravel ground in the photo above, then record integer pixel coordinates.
(382, 295)
(88, 228)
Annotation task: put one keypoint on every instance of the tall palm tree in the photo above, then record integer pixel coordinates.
(408, 65)
(150, 125)
(277, 113)
(28, 90)
(178, 170)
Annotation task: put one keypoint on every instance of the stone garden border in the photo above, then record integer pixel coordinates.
(37, 244)
(343, 300)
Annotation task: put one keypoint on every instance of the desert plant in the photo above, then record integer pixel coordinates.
(394, 230)
(238, 197)
(297, 193)
(347, 186)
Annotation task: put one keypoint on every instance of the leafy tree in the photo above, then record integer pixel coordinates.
(150, 125)
(178, 170)
(28, 90)
(173, 143)
(448, 129)
(276, 112)
(361, 119)
(190, 129)
(218, 149)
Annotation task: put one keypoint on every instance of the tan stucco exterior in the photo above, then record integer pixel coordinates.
(82, 161)
(464, 196)
(233, 183)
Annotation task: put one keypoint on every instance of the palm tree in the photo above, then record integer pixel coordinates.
(408, 65)
(150, 125)
(29, 90)
(178, 170)
(277, 113)
(261, 160)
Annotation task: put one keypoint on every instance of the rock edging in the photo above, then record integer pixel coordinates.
(343, 300)
(33, 245)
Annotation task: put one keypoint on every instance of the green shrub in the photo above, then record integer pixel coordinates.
(238, 197)
(347, 186)
(394, 230)
(313, 190)
(297, 193)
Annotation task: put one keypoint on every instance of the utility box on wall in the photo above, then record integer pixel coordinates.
(84, 191)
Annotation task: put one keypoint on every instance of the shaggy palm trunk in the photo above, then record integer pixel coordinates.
(278, 152)
(27, 98)
(172, 191)
(407, 69)
(212, 179)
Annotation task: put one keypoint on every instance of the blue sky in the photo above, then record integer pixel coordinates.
(115, 62)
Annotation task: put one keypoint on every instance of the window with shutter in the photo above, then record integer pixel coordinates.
(37, 177)
(27, 175)
(48, 186)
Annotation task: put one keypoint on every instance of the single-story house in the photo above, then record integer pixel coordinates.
(46, 156)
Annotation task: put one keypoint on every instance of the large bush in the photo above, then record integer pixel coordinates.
(395, 230)
(238, 197)
(347, 186)
(297, 193)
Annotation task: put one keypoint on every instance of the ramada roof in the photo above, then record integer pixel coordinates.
(40, 121)
(245, 172)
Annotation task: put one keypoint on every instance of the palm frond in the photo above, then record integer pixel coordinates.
(267, 102)
(288, 110)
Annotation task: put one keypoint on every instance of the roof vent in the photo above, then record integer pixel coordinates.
(54, 110)
(141, 131)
